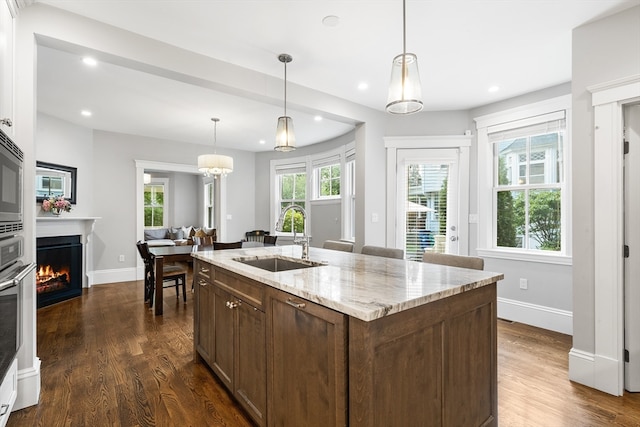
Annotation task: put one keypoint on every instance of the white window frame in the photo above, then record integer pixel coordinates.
(311, 163)
(348, 194)
(164, 182)
(486, 201)
(317, 177)
(209, 203)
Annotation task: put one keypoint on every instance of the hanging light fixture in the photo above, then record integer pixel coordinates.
(215, 164)
(285, 138)
(404, 90)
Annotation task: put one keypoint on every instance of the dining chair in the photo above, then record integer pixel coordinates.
(220, 245)
(175, 275)
(338, 245)
(255, 235)
(462, 261)
(383, 252)
(270, 240)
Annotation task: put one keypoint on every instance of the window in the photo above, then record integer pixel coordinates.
(209, 204)
(322, 179)
(292, 190)
(155, 205)
(529, 206)
(528, 193)
(328, 179)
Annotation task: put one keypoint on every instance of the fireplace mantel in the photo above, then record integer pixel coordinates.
(49, 226)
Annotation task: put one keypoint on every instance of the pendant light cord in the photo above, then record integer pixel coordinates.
(285, 88)
(404, 45)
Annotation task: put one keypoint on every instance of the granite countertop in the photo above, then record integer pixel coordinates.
(362, 286)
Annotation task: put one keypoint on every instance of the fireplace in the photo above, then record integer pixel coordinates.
(59, 270)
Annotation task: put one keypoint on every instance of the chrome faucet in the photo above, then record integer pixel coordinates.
(304, 240)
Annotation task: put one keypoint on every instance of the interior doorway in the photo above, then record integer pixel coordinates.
(632, 242)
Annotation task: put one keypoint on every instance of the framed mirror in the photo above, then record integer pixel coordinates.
(55, 180)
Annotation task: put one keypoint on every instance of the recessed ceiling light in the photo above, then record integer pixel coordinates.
(262, 142)
(330, 21)
(89, 61)
(86, 113)
(363, 86)
(493, 89)
(318, 118)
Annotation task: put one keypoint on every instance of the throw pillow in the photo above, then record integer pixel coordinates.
(200, 233)
(209, 231)
(176, 233)
(187, 232)
(160, 233)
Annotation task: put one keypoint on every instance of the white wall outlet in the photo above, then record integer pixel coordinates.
(121, 258)
(374, 217)
(524, 284)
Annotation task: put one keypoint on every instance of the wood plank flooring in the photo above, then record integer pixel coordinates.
(108, 361)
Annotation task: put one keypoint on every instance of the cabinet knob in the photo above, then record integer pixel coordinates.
(6, 121)
(232, 304)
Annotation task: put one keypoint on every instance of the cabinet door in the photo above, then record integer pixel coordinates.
(251, 366)
(223, 333)
(6, 66)
(307, 363)
(203, 325)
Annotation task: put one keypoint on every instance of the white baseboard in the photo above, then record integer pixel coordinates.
(539, 316)
(116, 275)
(28, 386)
(595, 371)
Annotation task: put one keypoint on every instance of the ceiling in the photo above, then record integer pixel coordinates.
(464, 47)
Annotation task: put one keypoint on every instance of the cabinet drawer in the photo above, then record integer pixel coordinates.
(8, 392)
(203, 270)
(241, 287)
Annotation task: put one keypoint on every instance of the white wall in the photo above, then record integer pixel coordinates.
(603, 51)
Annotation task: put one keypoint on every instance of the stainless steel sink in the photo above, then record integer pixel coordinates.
(278, 263)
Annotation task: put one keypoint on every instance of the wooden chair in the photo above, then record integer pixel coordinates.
(337, 245)
(255, 236)
(206, 240)
(270, 240)
(170, 273)
(462, 261)
(220, 245)
(383, 252)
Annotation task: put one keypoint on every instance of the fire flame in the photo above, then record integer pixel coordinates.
(46, 273)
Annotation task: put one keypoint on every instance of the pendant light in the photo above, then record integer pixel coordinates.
(285, 138)
(215, 164)
(404, 89)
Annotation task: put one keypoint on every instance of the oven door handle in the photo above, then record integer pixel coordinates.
(18, 277)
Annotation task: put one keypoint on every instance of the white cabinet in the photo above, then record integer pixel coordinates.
(6, 68)
(8, 392)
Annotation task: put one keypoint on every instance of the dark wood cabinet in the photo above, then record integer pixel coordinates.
(291, 362)
(203, 297)
(230, 334)
(307, 363)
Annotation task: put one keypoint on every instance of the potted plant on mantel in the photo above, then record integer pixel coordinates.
(56, 205)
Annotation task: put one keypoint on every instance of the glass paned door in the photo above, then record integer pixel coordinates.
(427, 201)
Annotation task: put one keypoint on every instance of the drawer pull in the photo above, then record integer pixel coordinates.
(3, 409)
(296, 304)
(204, 270)
(202, 283)
(232, 304)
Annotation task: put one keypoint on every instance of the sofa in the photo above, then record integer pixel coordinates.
(177, 236)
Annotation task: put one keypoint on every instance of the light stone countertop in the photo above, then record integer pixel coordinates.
(362, 286)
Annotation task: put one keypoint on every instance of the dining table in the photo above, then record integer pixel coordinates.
(178, 253)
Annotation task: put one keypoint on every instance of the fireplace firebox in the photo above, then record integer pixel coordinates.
(59, 270)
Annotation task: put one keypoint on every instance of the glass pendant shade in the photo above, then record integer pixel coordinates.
(215, 164)
(405, 91)
(285, 138)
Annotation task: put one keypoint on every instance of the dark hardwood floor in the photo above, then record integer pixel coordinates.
(108, 361)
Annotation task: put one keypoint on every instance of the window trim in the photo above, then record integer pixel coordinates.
(310, 162)
(486, 202)
(165, 206)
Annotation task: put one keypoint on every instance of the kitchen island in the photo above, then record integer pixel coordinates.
(352, 340)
